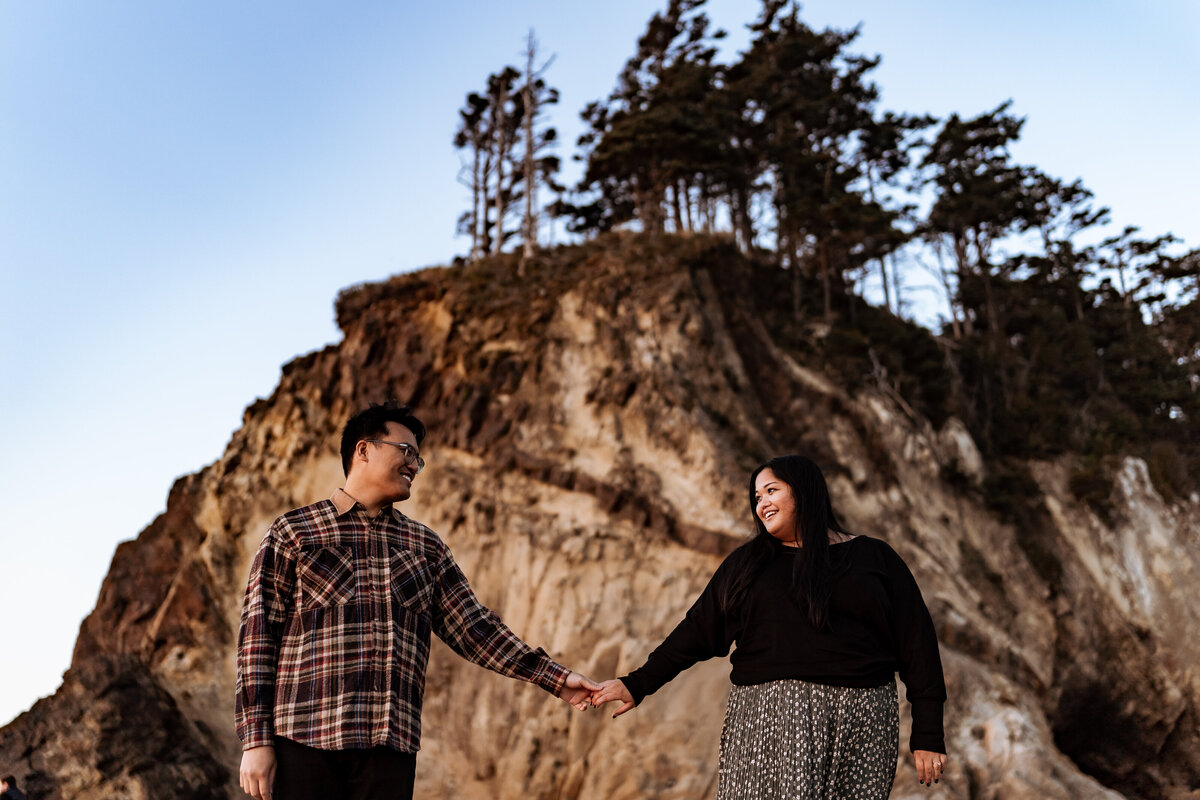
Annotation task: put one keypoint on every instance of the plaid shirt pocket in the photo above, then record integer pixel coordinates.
(326, 577)
(412, 580)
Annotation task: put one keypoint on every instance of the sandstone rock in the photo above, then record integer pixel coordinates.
(959, 452)
(592, 425)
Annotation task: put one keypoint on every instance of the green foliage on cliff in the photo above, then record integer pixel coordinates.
(1053, 339)
(1066, 370)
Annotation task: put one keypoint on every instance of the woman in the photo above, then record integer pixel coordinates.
(823, 620)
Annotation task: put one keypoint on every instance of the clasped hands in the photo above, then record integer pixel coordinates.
(583, 693)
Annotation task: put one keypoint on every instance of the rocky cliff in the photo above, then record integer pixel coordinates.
(592, 425)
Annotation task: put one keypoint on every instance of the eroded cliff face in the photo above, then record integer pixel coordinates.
(592, 425)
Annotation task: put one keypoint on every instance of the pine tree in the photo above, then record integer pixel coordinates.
(810, 100)
(509, 158)
(980, 197)
(472, 133)
(884, 154)
(646, 144)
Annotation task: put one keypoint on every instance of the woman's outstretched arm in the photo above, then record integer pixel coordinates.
(703, 633)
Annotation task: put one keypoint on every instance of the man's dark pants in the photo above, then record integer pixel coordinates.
(377, 773)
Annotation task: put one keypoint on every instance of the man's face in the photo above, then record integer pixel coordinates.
(384, 469)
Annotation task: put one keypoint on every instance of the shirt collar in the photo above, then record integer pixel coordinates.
(344, 503)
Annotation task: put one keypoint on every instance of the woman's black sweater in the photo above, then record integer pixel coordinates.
(878, 626)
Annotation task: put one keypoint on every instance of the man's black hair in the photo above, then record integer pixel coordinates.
(10, 780)
(372, 422)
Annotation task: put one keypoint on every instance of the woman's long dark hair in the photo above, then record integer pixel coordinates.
(814, 568)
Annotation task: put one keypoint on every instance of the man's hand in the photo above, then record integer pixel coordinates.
(930, 766)
(258, 772)
(613, 690)
(578, 690)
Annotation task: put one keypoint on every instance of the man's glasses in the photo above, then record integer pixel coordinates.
(411, 454)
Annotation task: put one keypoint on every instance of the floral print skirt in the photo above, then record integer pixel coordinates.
(796, 740)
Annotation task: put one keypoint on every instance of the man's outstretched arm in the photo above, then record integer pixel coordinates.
(477, 634)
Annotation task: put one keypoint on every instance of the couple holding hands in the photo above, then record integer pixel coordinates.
(344, 594)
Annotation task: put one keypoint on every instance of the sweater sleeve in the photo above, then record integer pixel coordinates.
(702, 634)
(919, 662)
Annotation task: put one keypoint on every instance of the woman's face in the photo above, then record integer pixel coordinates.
(775, 506)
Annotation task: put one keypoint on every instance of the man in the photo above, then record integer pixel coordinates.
(9, 790)
(334, 640)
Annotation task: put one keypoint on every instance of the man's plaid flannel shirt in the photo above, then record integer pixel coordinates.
(335, 629)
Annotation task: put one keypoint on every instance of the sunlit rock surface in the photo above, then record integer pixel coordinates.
(592, 426)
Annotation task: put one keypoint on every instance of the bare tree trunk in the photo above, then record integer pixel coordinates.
(744, 220)
(982, 249)
(883, 277)
(485, 199)
(944, 276)
(677, 206)
(687, 205)
(502, 147)
(530, 228)
(826, 286)
(823, 247)
(498, 238)
(895, 283)
(735, 220)
(883, 273)
(649, 197)
(476, 232)
(964, 268)
(1121, 281)
(797, 288)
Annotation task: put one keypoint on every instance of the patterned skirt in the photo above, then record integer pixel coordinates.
(793, 740)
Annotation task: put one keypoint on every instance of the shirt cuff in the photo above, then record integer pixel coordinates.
(261, 734)
(553, 677)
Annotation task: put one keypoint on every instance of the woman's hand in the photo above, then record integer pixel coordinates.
(613, 690)
(930, 766)
(577, 690)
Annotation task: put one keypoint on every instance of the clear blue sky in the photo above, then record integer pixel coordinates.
(185, 186)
